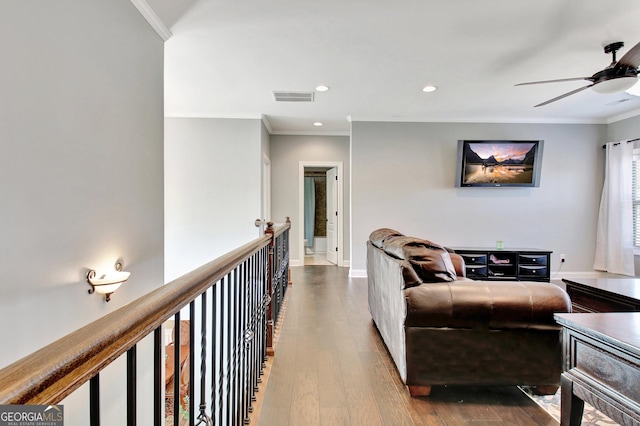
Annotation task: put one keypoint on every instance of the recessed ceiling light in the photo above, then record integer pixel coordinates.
(428, 89)
(322, 88)
(317, 124)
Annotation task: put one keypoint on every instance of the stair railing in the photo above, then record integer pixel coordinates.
(240, 296)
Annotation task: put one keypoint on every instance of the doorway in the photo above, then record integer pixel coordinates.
(320, 210)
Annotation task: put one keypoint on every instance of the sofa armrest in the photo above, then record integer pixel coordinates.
(459, 265)
(387, 304)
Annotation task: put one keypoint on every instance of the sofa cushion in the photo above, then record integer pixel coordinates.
(409, 274)
(486, 305)
(430, 261)
(378, 236)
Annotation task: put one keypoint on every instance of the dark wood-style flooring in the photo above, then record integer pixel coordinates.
(331, 368)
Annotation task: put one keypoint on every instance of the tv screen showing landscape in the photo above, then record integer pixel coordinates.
(499, 163)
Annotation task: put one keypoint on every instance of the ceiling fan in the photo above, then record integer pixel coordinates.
(617, 77)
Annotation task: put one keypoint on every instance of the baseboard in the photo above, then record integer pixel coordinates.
(296, 262)
(357, 273)
(362, 273)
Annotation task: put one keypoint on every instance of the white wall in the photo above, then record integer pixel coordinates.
(286, 154)
(403, 178)
(81, 177)
(212, 189)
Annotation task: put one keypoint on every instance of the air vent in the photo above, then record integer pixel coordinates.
(282, 96)
(619, 101)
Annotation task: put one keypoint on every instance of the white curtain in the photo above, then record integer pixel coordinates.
(614, 239)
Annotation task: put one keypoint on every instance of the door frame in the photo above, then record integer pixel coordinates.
(340, 219)
(266, 188)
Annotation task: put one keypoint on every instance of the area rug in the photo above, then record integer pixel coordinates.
(551, 404)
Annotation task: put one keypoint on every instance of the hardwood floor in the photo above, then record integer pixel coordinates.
(331, 368)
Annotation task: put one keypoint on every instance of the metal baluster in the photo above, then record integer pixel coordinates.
(223, 350)
(243, 333)
(239, 346)
(254, 323)
(236, 342)
(231, 351)
(267, 302)
(203, 418)
(176, 369)
(94, 400)
(131, 386)
(214, 346)
(248, 336)
(192, 360)
(158, 366)
(229, 345)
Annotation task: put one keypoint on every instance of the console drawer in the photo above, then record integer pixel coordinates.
(532, 259)
(532, 271)
(474, 259)
(476, 271)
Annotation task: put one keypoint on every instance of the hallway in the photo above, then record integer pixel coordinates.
(331, 368)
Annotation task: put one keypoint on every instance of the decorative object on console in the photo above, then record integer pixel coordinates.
(108, 282)
(499, 163)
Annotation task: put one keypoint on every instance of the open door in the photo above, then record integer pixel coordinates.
(332, 215)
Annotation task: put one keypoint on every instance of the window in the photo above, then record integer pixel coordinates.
(635, 180)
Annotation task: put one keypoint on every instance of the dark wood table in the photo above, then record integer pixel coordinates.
(604, 294)
(601, 366)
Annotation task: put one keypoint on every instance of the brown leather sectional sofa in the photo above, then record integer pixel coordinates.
(444, 329)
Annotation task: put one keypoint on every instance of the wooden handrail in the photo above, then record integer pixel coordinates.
(50, 374)
(280, 229)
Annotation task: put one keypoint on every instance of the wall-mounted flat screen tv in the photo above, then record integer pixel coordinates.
(499, 163)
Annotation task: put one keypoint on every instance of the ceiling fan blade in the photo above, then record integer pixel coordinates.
(555, 81)
(564, 96)
(631, 58)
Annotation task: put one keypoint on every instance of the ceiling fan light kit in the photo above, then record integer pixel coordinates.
(616, 78)
(616, 85)
(635, 89)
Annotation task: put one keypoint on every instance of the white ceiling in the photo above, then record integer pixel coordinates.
(225, 58)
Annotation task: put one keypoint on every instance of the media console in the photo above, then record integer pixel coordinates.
(508, 264)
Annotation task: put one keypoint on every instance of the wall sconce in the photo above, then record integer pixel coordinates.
(108, 282)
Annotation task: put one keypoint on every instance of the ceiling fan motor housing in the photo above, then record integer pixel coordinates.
(613, 48)
(625, 75)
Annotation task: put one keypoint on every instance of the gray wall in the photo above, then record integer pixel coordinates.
(624, 129)
(620, 130)
(81, 177)
(403, 177)
(212, 188)
(286, 154)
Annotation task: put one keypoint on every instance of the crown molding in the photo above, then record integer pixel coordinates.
(310, 133)
(265, 121)
(495, 120)
(147, 12)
